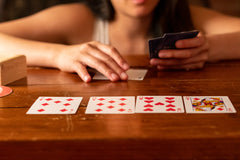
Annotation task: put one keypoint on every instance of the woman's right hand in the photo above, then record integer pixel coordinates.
(104, 58)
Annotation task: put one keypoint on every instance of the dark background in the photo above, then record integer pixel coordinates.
(12, 9)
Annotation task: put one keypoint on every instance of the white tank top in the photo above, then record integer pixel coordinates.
(101, 32)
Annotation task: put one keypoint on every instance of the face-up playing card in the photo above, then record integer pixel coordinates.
(111, 105)
(159, 104)
(55, 105)
(208, 104)
(133, 74)
(167, 41)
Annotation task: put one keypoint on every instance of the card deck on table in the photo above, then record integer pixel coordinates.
(133, 74)
(167, 41)
(208, 104)
(111, 105)
(55, 105)
(159, 104)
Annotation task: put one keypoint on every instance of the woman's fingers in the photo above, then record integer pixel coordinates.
(190, 54)
(186, 48)
(111, 62)
(203, 57)
(103, 58)
(191, 42)
(186, 67)
(113, 53)
(81, 70)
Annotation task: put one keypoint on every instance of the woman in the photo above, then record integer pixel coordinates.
(66, 36)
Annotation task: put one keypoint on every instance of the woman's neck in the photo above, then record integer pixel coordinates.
(129, 35)
(131, 27)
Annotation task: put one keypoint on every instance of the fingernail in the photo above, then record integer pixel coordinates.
(124, 76)
(160, 68)
(114, 76)
(125, 66)
(179, 44)
(87, 78)
(163, 55)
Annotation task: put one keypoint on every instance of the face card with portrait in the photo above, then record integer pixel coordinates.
(208, 104)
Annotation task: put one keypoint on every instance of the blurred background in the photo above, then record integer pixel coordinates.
(231, 7)
(12, 9)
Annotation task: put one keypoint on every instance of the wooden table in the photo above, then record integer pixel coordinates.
(130, 137)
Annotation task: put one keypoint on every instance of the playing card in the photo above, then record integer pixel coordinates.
(111, 105)
(55, 105)
(133, 74)
(159, 104)
(167, 41)
(208, 104)
(155, 45)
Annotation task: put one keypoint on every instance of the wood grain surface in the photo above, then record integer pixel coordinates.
(130, 137)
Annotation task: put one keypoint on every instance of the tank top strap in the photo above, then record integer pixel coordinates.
(101, 32)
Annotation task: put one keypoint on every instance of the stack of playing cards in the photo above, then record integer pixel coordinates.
(126, 105)
(133, 74)
(167, 41)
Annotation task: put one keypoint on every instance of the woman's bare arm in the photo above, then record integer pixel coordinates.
(222, 32)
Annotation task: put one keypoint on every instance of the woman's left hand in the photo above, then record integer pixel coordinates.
(190, 54)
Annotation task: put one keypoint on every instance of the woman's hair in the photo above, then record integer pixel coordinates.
(169, 15)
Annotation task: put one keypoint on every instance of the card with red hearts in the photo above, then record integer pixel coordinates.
(159, 104)
(55, 105)
(208, 104)
(111, 105)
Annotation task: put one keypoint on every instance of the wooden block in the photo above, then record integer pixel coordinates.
(12, 68)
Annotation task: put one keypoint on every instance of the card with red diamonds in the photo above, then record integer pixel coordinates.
(159, 104)
(55, 105)
(111, 105)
